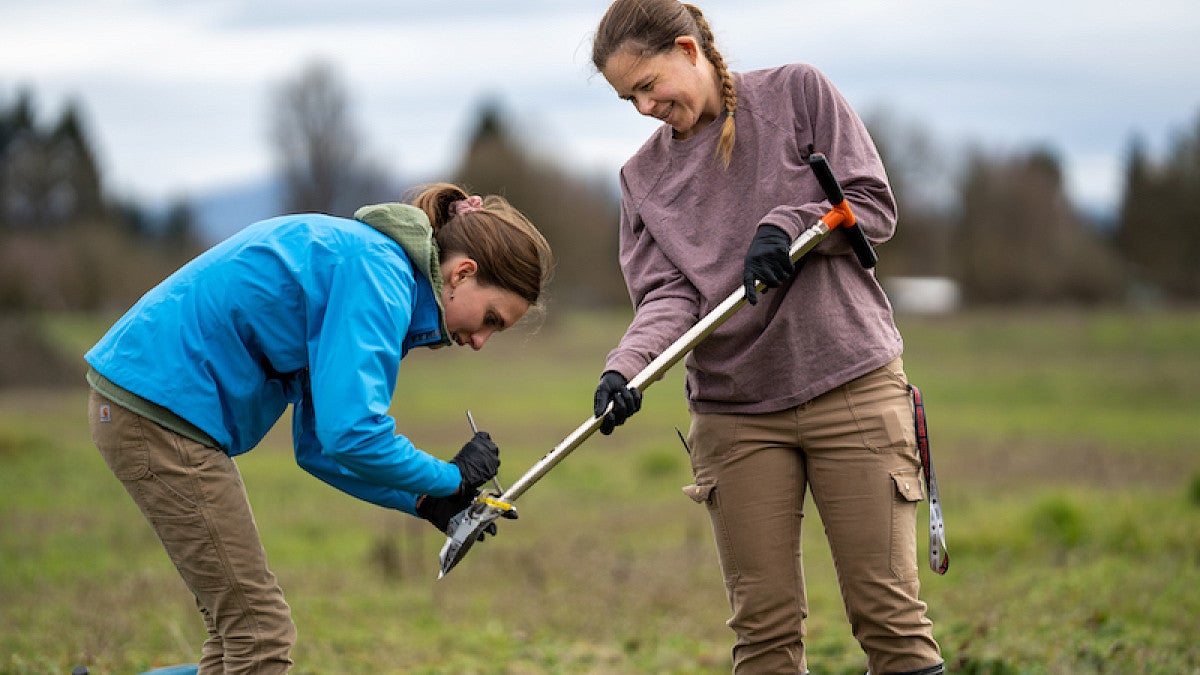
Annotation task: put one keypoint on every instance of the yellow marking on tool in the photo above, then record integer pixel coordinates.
(494, 503)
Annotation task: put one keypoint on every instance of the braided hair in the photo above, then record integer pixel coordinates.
(649, 28)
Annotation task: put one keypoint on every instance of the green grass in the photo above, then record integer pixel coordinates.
(1065, 444)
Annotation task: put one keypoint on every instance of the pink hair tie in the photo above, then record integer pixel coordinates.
(472, 203)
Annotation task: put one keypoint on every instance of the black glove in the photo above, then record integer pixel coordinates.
(478, 462)
(625, 401)
(767, 260)
(439, 511)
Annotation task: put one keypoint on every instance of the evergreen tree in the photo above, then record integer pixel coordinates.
(74, 169)
(1159, 226)
(48, 179)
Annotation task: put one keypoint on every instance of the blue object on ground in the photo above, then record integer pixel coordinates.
(189, 669)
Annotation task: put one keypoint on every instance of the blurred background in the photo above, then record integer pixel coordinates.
(1040, 154)
(1046, 161)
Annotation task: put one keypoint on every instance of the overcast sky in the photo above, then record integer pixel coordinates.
(177, 94)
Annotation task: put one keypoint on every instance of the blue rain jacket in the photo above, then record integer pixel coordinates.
(310, 310)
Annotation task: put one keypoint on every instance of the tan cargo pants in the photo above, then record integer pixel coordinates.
(194, 498)
(855, 447)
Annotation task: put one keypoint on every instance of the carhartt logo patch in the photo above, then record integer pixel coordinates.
(105, 413)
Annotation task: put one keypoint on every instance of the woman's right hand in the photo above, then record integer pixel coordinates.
(613, 388)
(439, 510)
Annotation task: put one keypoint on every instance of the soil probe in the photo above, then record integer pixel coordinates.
(468, 525)
(475, 430)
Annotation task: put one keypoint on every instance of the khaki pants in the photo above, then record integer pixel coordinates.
(855, 447)
(194, 498)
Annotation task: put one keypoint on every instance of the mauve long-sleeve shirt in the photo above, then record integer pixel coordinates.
(686, 224)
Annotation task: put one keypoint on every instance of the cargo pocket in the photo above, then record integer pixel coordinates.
(708, 495)
(908, 492)
(699, 493)
(177, 509)
(129, 462)
(190, 544)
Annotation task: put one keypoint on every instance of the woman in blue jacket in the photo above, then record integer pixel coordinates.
(317, 312)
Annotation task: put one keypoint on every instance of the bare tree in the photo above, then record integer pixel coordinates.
(318, 145)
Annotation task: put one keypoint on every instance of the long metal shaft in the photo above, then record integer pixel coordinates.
(659, 366)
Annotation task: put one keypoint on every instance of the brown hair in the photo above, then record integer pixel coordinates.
(512, 254)
(648, 28)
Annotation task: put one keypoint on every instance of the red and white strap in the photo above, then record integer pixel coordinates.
(939, 557)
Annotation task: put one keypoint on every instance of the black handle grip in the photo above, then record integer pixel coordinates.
(862, 247)
(829, 184)
(833, 192)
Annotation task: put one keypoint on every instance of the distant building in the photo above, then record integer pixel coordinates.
(923, 295)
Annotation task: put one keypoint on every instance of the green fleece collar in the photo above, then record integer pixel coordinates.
(409, 227)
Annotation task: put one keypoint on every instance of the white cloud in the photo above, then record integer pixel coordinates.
(177, 94)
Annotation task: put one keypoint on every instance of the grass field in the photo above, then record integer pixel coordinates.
(1066, 444)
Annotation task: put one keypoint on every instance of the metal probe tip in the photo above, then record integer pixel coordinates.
(475, 430)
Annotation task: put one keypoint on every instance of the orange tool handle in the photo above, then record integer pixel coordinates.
(841, 215)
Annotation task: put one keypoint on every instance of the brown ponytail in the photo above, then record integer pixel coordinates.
(511, 253)
(649, 28)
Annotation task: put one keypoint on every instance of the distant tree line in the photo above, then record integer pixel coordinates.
(319, 155)
(1159, 223)
(48, 177)
(1001, 225)
(64, 243)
